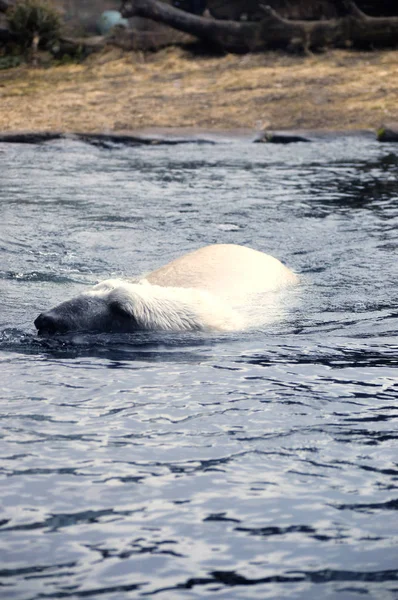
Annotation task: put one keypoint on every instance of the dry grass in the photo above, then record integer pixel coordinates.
(116, 91)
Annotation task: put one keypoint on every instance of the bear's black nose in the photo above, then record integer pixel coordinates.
(48, 325)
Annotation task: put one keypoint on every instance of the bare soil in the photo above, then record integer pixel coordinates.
(118, 91)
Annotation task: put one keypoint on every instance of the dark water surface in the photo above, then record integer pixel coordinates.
(254, 465)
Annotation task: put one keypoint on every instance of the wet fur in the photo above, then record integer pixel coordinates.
(222, 287)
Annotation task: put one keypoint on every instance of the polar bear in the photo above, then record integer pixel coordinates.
(207, 289)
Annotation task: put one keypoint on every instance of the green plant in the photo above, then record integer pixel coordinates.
(34, 22)
(381, 132)
(10, 61)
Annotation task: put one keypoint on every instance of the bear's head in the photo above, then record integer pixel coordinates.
(102, 309)
(122, 306)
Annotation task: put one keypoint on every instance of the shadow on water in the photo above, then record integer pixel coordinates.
(347, 186)
(195, 348)
(142, 346)
(337, 357)
(233, 579)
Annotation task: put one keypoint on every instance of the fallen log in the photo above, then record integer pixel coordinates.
(85, 45)
(122, 38)
(273, 31)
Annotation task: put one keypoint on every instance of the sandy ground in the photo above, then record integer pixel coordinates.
(116, 91)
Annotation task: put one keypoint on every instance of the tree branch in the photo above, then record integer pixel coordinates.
(222, 33)
(272, 31)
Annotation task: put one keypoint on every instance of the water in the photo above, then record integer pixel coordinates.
(236, 466)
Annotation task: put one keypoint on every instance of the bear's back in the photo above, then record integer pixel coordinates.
(227, 270)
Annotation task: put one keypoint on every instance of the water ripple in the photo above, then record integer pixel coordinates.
(259, 465)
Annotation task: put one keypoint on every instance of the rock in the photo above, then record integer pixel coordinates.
(109, 19)
(388, 133)
(104, 140)
(272, 137)
(30, 137)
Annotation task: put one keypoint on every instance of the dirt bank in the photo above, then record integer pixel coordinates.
(116, 91)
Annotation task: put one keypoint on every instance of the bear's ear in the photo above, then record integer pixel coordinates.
(119, 309)
(120, 306)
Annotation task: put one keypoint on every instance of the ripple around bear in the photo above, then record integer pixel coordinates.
(213, 288)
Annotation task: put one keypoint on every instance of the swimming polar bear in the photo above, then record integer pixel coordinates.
(204, 290)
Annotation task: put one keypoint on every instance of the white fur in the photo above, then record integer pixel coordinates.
(155, 307)
(222, 287)
(227, 270)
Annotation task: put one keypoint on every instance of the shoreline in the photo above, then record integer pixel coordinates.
(174, 136)
(113, 92)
